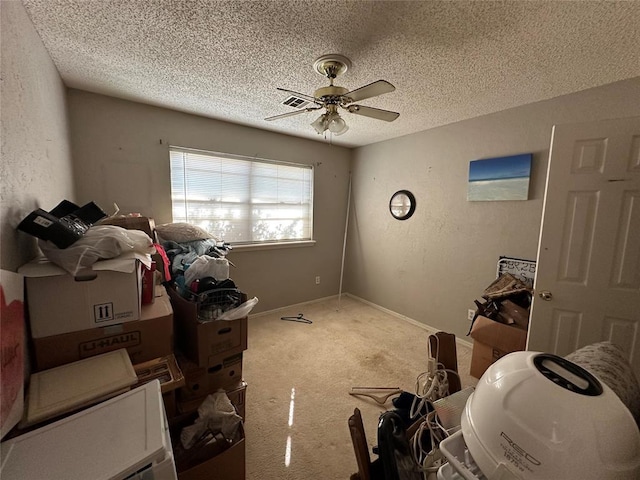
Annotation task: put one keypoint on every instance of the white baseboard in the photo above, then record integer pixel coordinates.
(279, 309)
(412, 321)
(424, 326)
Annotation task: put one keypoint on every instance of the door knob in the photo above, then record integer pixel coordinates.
(545, 295)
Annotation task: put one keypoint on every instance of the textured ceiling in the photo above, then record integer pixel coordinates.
(449, 60)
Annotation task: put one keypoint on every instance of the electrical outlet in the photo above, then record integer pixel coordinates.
(471, 314)
(318, 280)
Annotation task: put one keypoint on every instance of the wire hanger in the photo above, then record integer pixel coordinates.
(300, 318)
(386, 392)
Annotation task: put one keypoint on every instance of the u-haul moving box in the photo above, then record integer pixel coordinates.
(109, 293)
(145, 339)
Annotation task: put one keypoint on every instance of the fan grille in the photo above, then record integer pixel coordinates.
(296, 102)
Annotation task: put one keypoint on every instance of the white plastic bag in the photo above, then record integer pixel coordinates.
(98, 243)
(206, 266)
(217, 414)
(240, 311)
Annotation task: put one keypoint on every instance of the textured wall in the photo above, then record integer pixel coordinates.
(432, 266)
(121, 155)
(35, 170)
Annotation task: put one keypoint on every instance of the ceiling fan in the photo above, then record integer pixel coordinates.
(332, 98)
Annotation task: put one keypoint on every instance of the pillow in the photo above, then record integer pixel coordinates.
(182, 232)
(609, 363)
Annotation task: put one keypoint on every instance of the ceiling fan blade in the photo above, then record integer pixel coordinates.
(377, 113)
(291, 114)
(372, 90)
(298, 94)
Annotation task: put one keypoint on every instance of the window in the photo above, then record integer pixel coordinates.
(242, 200)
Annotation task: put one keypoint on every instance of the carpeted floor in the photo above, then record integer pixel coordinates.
(299, 377)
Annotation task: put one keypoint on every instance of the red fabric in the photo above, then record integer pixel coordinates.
(165, 261)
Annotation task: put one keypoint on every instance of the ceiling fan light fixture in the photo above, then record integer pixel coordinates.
(320, 123)
(333, 97)
(344, 130)
(337, 125)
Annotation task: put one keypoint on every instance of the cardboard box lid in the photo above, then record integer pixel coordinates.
(503, 337)
(126, 263)
(63, 389)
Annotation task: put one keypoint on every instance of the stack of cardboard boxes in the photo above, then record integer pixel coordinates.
(209, 353)
(102, 309)
(210, 357)
(500, 324)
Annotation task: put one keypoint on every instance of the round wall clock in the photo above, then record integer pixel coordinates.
(402, 204)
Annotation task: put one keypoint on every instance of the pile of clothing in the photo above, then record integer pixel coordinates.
(200, 271)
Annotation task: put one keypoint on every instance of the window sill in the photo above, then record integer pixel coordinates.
(273, 246)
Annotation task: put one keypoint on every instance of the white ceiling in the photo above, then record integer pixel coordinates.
(449, 60)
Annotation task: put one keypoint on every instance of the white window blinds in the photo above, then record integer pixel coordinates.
(242, 200)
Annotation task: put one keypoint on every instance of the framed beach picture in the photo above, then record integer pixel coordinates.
(502, 178)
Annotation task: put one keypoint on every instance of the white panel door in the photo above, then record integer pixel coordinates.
(587, 285)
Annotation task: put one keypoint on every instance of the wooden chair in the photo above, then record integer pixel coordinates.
(445, 345)
(367, 470)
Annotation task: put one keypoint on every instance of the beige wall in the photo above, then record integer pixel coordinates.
(121, 155)
(432, 266)
(35, 170)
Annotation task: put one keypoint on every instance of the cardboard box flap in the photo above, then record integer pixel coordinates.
(503, 337)
(43, 267)
(124, 263)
